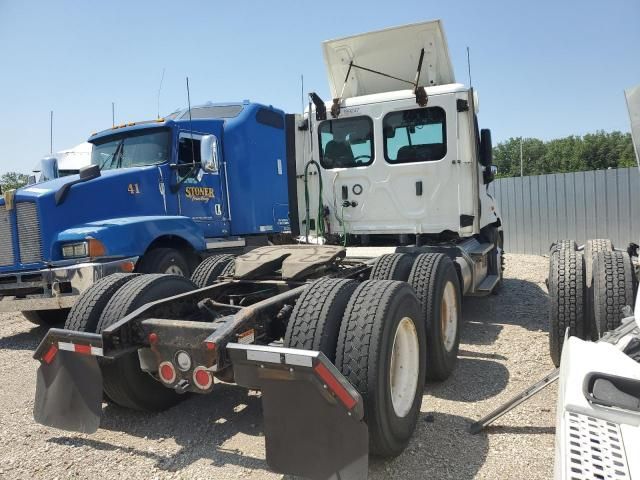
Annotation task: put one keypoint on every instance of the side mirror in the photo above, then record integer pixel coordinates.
(89, 172)
(486, 148)
(209, 153)
(48, 168)
(32, 180)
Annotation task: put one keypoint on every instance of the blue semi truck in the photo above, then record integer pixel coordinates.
(159, 197)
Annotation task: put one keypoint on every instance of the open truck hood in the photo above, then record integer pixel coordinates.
(394, 51)
(633, 104)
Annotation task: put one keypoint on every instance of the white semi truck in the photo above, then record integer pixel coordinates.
(340, 345)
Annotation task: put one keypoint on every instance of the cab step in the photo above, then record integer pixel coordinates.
(480, 249)
(488, 284)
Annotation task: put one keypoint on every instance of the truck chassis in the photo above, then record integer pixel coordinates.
(326, 407)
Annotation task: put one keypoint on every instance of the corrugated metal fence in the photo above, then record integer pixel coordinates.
(540, 209)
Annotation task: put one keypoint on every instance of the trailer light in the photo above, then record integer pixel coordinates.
(210, 345)
(183, 360)
(51, 354)
(153, 338)
(335, 386)
(202, 378)
(167, 372)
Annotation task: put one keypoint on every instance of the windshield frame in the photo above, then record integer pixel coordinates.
(118, 136)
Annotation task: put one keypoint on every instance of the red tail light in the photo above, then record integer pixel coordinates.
(167, 372)
(335, 386)
(202, 378)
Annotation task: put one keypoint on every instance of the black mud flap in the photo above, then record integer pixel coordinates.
(313, 417)
(69, 383)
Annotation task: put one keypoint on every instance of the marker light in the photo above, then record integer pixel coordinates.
(202, 378)
(167, 372)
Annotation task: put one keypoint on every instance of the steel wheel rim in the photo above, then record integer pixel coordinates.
(405, 367)
(449, 316)
(174, 270)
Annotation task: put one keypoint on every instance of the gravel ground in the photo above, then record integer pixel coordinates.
(503, 350)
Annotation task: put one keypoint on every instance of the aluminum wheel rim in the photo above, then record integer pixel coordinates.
(448, 316)
(405, 367)
(174, 270)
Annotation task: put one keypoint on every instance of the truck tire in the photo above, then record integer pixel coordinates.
(123, 380)
(612, 287)
(164, 260)
(591, 248)
(435, 281)
(210, 269)
(382, 352)
(315, 321)
(560, 245)
(85, 314)
(392, 266)
(566, 295)
(46, 318)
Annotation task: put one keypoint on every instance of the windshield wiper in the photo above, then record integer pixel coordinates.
(114, 157)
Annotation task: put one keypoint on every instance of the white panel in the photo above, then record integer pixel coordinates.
(300, 360)
(394, 51)
(258, 356)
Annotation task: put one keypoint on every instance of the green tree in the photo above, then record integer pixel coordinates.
(11, 180)
(594, 151)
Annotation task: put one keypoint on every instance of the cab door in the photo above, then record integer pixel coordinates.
(201, 195)
(396, 170)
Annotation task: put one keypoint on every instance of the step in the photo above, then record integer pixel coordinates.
(486, 286)
(480, 249)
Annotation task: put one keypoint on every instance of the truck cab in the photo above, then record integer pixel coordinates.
(400, 163)
(159, 196)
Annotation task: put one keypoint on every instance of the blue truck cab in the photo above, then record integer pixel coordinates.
(159, 196)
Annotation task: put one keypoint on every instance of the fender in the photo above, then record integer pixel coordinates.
(131, 236)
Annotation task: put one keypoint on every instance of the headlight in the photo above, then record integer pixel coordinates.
(89, 248)
(75, 250)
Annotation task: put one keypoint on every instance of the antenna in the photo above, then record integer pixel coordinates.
(51, 133)
(301, 93)
(469, 66)
(160, 90)
(193, 152)
(113, 114)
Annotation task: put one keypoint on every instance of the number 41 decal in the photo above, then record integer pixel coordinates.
(133, 189)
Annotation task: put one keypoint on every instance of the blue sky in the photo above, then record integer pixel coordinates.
(543, 69)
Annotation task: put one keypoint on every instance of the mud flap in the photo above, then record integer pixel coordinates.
(68, 388)
(313, 417)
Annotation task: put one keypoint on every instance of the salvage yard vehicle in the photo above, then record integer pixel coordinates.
(146, 204)
(598, 415)
(340, 345)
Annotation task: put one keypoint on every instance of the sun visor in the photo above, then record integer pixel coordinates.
(393, 51)
(633, 105)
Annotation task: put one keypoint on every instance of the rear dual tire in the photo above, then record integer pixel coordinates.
(566, 295)
(123, 380)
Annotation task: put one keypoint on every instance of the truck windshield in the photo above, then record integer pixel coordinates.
(132, 149)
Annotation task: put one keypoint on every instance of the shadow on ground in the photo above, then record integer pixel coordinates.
(445, 439)
(200, 426)
(24, 340)
(473, 380)
(519, 302)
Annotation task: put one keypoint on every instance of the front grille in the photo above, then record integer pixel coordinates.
(29, 232)
(6, 242)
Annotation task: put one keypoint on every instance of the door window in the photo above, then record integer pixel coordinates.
(417, 135)
(188, 149)
(346, 142)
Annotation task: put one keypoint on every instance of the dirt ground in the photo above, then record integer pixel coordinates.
(503, 350)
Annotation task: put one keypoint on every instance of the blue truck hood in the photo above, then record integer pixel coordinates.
(119, 193)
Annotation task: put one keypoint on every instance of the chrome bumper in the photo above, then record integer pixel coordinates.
(54, 288)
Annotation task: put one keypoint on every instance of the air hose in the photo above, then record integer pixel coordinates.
(320, 217)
